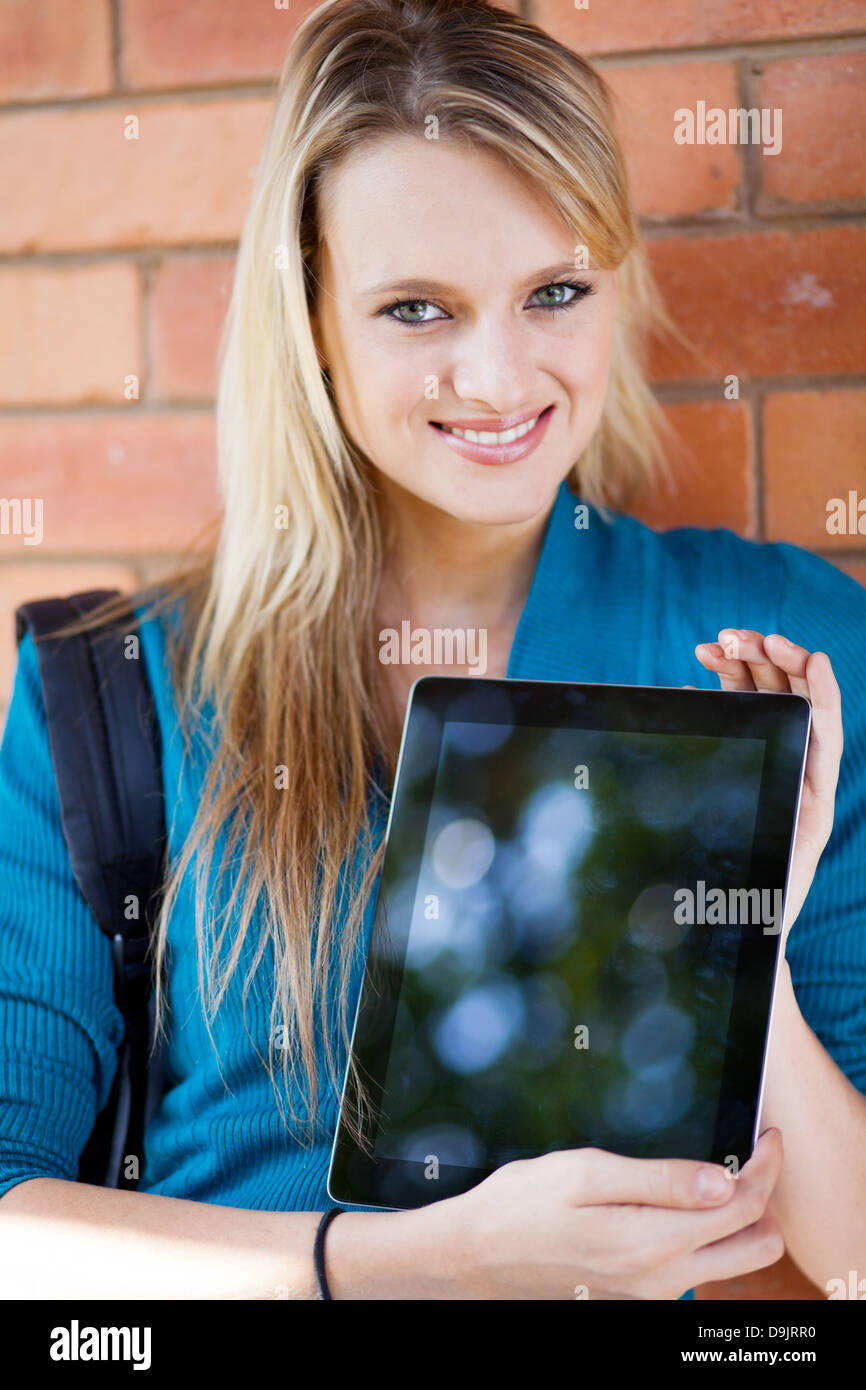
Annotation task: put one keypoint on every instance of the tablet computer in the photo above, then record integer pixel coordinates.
(576, 933)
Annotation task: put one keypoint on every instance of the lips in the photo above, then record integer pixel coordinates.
(494, 440)
(491, 425)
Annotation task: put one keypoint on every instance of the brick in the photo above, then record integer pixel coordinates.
(73, 333)
(713, 474)
(77, 183)
(763, 303)
(667, 179)
(814, 450)
(188, 304)
(634, 24)
(166, 44)
(111, 484)
(54, 49)
(20, 582)
(823, 157)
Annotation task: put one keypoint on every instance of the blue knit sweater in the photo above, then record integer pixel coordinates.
(615, 602)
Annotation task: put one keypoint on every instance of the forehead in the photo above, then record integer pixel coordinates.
(435, 208)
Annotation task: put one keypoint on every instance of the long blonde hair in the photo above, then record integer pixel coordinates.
(275, 608)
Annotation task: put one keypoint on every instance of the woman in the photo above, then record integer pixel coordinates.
(440, 249)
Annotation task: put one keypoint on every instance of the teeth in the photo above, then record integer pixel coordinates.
(490, 436)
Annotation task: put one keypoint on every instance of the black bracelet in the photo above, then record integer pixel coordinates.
(322, 1290)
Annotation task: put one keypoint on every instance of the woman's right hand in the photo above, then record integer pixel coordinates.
(587, 1223)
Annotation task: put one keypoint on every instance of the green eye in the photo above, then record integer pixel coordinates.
(566, 292)
(409, 310)
(415, 308)
(554, 289)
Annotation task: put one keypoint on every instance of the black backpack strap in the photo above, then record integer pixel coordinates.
(106, 750)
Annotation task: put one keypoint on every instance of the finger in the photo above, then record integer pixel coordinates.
(732, 673)
(689, 1231)
(757, 1246)
(594, 1177)
(825, 738)
(791, 659)
(750, 649)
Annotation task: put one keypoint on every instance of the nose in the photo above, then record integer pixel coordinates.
(493, 364)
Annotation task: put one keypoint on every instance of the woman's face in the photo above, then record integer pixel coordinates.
(445, 304)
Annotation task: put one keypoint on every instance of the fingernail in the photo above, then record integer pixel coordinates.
(712, 1183)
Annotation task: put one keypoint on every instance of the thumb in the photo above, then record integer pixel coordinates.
(667, 1182)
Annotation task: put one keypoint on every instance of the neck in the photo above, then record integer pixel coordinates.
(437, 566)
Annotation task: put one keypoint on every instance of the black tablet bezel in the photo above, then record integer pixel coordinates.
(781, 720)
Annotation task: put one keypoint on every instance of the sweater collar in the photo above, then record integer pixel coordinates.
(584, 617)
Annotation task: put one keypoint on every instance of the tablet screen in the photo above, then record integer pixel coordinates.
(550, 936)
(576, 931)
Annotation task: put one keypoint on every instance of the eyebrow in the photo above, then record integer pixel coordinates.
(419, 287)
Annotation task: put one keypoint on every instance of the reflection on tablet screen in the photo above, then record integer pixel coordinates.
(564, 982)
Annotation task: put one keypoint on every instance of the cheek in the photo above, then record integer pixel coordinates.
(381, 390)
(397, 382)
(592, 357)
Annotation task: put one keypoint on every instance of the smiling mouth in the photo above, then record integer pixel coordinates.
(493, 437)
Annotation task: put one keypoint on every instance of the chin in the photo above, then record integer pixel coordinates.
(500, 497)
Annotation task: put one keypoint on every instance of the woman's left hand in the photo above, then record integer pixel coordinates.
(748, 661)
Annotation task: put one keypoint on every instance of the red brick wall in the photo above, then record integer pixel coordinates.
(760, 257)
(116, 258)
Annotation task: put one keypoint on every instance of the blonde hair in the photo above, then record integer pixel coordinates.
(275, 621)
